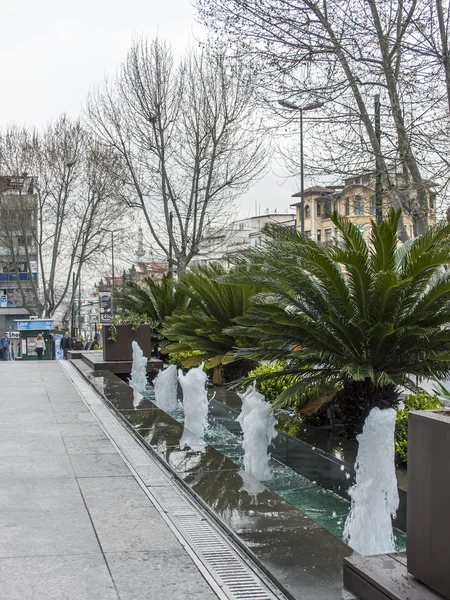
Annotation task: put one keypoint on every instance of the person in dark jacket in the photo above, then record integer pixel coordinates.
(66, 344)
(77, 344)
(94, 345)
(5, 344)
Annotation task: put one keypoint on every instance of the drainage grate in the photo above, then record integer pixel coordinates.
(235, 578)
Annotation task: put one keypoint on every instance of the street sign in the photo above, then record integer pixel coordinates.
(104, 303)
(35, 325)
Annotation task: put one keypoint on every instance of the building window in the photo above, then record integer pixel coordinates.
(318, 209)
(307, 211)
(358, 205)
(372, 206)
(21, 241)
(328, 235)
(327, 207)
(347, 207)
(335, 207)
(319, 235)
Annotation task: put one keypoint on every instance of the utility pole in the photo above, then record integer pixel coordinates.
(378, 187)
(113, 274)
(79, 306)
(170, 243)
(72, 329)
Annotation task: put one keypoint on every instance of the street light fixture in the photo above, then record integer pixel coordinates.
(301, 109)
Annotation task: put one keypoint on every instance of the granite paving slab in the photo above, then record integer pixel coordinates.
(46, 533)
(113, 493)
(32, 494)
(83, 577)
(99, 465)
(81, 416)
(76, 444)
(28, 446)
(80, 429)
(140, 529)
(36, 466)
(157, 576)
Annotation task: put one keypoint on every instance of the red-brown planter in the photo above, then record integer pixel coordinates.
(120, 348)
(428, 543)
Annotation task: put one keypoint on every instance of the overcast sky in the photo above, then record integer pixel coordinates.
(53, 51)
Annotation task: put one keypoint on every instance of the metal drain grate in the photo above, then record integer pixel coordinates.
(233, 575)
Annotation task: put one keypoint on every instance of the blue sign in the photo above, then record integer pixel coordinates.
(35, 325)
(58, 350)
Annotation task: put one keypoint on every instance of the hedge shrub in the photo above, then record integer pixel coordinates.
(422, 401)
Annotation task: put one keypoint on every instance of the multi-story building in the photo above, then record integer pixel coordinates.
(18, 252)
(355, 200)
(220, 246)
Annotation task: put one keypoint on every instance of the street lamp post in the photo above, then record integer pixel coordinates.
(112, 265)
(112, 231)
(301, 109)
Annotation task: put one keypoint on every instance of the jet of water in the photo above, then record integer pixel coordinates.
(166, 384)
(138, 379)
(374, 497)
(258, 426)
(195, 402)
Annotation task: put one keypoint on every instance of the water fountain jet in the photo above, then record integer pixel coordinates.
(166, 385)
(195, 403)
(258, 427)
(138, 379)
(374, 497)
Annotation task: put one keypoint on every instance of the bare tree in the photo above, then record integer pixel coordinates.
(345, 52)
(189, 136)
(59, 221)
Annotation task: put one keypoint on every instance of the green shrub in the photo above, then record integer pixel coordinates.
(184, 359)
(271, 388)
(422, 401)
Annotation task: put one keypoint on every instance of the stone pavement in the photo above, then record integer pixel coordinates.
(74, 522)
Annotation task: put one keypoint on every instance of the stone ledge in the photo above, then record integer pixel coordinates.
(384, 577)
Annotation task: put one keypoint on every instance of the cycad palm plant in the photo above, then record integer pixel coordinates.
(357, 317)
(214, 306)
(155, 300)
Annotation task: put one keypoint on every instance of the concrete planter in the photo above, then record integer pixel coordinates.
(120, 349)
(429, 499)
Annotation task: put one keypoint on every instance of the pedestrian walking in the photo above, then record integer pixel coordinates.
(66, 344)
(5, 344)
(77, 344)
(94, 344)
(40, 346)
(87, 345)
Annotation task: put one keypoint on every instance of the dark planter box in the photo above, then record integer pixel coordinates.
(429, 499)
(120, 349)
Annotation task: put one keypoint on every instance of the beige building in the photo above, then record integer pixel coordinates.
(355, 200)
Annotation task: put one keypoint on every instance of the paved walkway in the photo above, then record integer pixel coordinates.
(75, 524)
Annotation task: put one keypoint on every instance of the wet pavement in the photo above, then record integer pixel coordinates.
(75, 522)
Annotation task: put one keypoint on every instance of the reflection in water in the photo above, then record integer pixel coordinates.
(251, 485)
